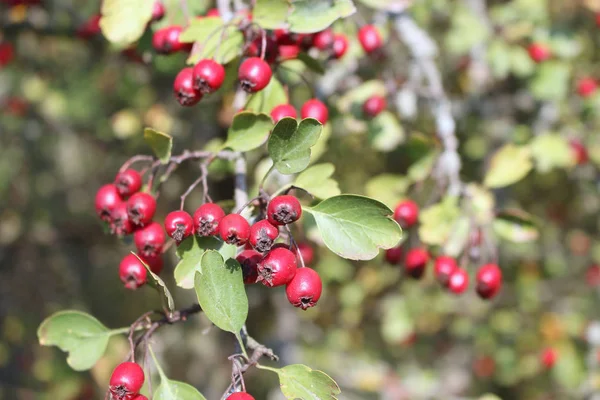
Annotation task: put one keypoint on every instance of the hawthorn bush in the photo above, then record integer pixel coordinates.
(305, 199)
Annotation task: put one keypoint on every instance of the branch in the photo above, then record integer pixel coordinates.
(241, 186)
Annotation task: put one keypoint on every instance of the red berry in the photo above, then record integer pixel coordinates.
(323, 40)
(394, 255)
(586, 87)
(207, 218)
(340, 45)
(282, 111)
(549, 357)
(179, 225)
(208, 76)
(283, 36)
(126, 380)
(416, 260)
(166, 40)
(592, 275)
(240, 396)
(234, 229)
(288, 51)
(314, 108)
(249, 260)
(304, 290)
(128, 182)
(150, 240)
(443, 268)
(369, 38)
(489, 281)
(598, 19)
(579, 152)
(158, 11)
(406, 213)
(271, 49)
(141, 208)
(140, 397)
(374, 105)
(132, 272)
(6, 53)
(277, 268)
(213, 12)
(120, 223)
(307, 253)
(539, 52)
(154, 263)
(90, 28)
(459, 281)
(107, 199)
(183, 88)
(283, 210)
(254, 74)
(262, 235)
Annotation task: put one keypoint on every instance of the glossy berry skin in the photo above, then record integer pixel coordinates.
(141, 208)
(304, 290)
(459, 281)
(150, 240)
(166, 40)
(489, 281)
(249, 260)
(207, 218)
(288, 51)
(539, 52)
(120, 223)
(283, 110)
(184, 89)
(340, 46)
(415, 262)
(579, 151)
(549, 357)
(234, 229)
(254, 74)
(314, 108)
(128, 182)
(283, 210)
(208, 76)
(240, 396)
(126, 380)
(406, 213)
(140, 397)
(307, 253)
(323, 40)
(158, 11)
(374, 105)
(132, 272)
(213, 12)
(586, 87)
(155, 263)
(370, 38)
(394, 255)
(277, 268)
(443, 268)
(262, 235)
(179, 225)
(107, 199)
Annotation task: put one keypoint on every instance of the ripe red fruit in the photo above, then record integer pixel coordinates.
(141, 207)
(107, 199)
(288, 51)
(283, 210)
(489, 281)
(207, 218)
(369, 38)
(277, 268)
(179, 225)
(586, 87)
(271, 49)
(132, 272)
(340, 45)
(126, 380)
(213, 12)
(183, 88)
(262, 235)
(89, 28)
(7, 53)
(314, 108)
(282, 111)
(415, 262)
(549, 357)
(374, 105)
(459, 281)
(240, 396)
(307, 253)
(254, 74)
(150, 240)
(394, 255)
(406, 213)
(158, 11)
(208, 76)
(443, 268)
(166, 40)
(234, 229)
(592, 275)
(155, 263)
(140, 397)
(304, 290)
(128, 182)
(120, 224)
(539, 52)
(323, 40)
(249, 260)
(579, 152)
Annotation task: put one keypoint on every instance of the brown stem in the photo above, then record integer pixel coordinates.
(134, 159)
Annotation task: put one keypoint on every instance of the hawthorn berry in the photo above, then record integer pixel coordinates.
(288, 51)
(539, 52)
(277, 268)
(150, 240)
(141, 207)
(304, 290)
(443, 268)
(208, 76)
(374, 105)
(586, 87)
(370, 38)
(107, 199)
(271, 49)
(314, 108)
(459, 281)
(549, 357)
(234, 229)
(323, 40)
(6, 53)
(240, 396)
(307, 253)
(213, 12)
(166, 40)
(90, 28)
(283, 210)
(415, 262)
(254, 74)
(406, 213)
(158, 11)
(184, 89)
(120, 223)
(132, 272)
(128, 182)
(283, 110)
(179, 225)
(489, 281)
(579, 152)
(126, 380)
(592, 275)
(249, 260)
(340, 45)
(207, 218)
(262, 235)
(394, 255)
(155, 263)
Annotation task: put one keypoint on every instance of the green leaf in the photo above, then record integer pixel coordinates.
(271, 14)
(161, 144)
(355, 227)
(551, 81)
(551, 151)
(521, 63)
(385, 132)
(77, 333)
(387, 5)
(498, 57)
(217, 40)
(353, 99)
(516, 226)
(466, 32)
(421, 169)
(248, 131)
(437, 221)
(289, 144)
(569, 370)
(309, 16)
(265, 100)
(456, 242)
(155, 282)
(312, 63)
(396, 322)
(221, 292)
(508, 165)
(298, 381)
(174, 390)
(317, 181)
(387, 188)
(124, 21)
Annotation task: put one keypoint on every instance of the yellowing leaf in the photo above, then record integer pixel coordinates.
(509, 164)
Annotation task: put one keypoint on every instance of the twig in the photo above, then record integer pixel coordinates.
(203, 178)
(134, 159)
(241, 186)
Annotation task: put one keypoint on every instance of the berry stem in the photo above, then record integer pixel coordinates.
(293, 243)
(203, 178)
(134, 159)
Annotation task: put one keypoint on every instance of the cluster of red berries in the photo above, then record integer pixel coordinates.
(446, 269)
(126, 381)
